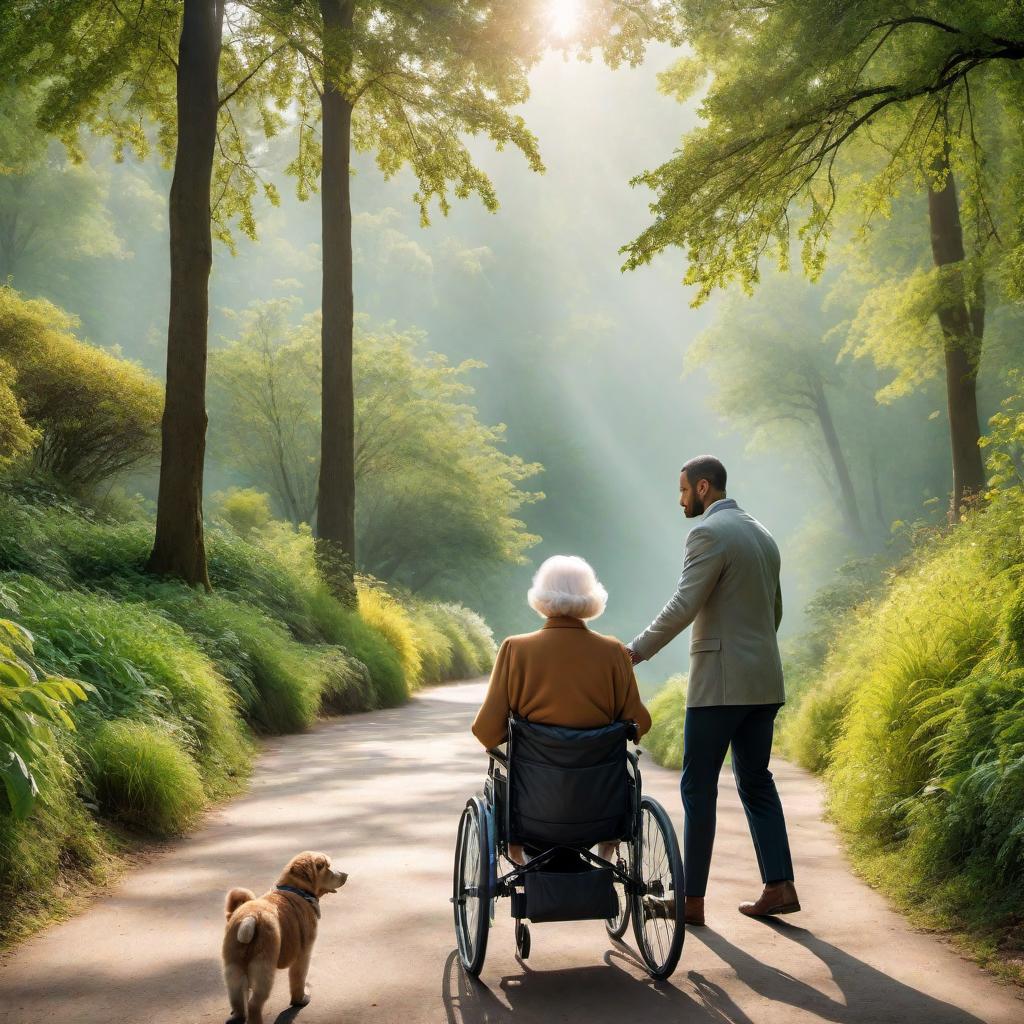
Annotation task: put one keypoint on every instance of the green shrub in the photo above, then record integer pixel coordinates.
(97, 552)
(435, 646)
(463, 658)
(917, 720)
(901, 663)
(481, 636)
(278, 680)
(96, 414)
(808, 732)
(347, 686)
(668, 711)
(244, 509)
(142, 777)
(17, 438)
(25, 540)
(141, 665)
(346, 629)
(257, 576)
(473, 647)
(31, 703)
(385, 614)
(45, 857)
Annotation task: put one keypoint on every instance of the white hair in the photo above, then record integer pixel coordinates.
(567, 585)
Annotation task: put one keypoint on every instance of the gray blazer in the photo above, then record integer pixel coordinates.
(729, 590)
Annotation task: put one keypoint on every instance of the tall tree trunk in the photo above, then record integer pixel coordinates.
(962, 331)
(179, 549)
(336, 519)
(848, 503)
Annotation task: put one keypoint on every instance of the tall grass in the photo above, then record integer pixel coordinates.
(402, 642)
(917, 722)
(143, 777)
(279, 682)
(182, 678)
(141, 664)
(60, 840)
(349, 631)
(382, 611)
(473, 647)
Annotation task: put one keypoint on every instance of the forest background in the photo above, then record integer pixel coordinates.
(517, 395)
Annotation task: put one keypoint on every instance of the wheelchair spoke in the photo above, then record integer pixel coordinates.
(471, 888)
(617, 925)
(657, 921)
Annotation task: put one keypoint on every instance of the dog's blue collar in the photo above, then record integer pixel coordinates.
(307, 896)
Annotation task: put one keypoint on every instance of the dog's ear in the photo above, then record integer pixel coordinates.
(321, 863)
(304, 868)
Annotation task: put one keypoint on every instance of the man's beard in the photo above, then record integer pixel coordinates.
(696, 508)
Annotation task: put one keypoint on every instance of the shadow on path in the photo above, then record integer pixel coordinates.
(868, 994)
(594, 994)
(611, 993)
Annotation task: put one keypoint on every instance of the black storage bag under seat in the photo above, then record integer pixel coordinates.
(570, 895)
(568, 786)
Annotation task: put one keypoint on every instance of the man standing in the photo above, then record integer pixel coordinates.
(729, 589)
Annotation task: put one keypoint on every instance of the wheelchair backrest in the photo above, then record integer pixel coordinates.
(567, 786)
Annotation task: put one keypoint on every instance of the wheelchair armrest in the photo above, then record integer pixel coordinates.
(497, 755)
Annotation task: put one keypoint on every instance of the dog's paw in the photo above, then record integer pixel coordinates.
(304, 1001)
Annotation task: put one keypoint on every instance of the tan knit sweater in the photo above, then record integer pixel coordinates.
(564, 674)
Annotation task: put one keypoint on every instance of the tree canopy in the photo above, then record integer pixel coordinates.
(436, 494)
(790, 85)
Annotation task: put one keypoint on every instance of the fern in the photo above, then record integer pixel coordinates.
(30, 703)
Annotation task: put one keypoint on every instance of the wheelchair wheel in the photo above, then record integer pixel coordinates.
(471, 885)
(658, 909)
(617, 925)
(523, 940)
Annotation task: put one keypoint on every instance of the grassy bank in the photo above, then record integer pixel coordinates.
(916, 722)
(180, 683)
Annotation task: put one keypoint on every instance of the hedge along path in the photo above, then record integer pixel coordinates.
(382, 793)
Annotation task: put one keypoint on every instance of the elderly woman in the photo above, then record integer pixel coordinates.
(564, 673)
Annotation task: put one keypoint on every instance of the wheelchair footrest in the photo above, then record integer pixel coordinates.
(568, 896)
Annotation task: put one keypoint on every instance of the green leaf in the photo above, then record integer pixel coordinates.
(20, 785)
(14, 673)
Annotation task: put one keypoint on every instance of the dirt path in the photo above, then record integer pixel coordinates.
(382, 792)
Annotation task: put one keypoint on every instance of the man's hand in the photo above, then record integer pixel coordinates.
(633, 656)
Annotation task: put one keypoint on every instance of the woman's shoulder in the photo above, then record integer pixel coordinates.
(594, 639)
(613, 643)
(518, 639)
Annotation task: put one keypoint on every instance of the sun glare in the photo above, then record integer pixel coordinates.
(564, 16)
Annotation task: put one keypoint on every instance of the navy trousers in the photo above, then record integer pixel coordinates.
(707, 734)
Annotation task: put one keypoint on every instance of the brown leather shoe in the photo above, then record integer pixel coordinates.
(665, 907)
(779, 898)
(695, 910)
(659, 907)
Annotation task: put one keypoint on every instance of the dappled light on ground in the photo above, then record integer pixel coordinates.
(382, 793)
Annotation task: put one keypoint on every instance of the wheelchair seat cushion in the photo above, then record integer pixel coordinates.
(567, 786)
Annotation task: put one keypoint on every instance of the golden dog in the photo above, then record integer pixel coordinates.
(273, 932)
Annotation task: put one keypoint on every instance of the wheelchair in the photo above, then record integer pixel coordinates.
(557, 792)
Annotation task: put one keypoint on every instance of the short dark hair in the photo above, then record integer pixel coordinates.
(705, 467)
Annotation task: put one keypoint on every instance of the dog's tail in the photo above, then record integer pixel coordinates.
(235, 898)
(247, 929)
